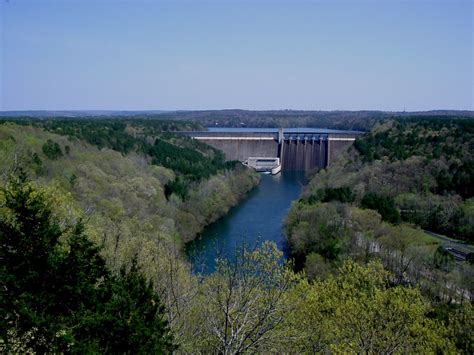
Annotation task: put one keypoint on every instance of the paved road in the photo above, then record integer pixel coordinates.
(452, 243)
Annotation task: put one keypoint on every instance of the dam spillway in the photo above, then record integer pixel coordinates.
(299, 149)
(303, 155)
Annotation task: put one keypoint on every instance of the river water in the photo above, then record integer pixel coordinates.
(257, 218)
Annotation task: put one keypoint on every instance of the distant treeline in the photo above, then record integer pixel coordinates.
(357, 120)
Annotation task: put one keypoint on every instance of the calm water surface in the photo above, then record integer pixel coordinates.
(257, 218)
(275, 130)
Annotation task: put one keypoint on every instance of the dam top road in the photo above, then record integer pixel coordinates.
(298, 149)
(275, 130)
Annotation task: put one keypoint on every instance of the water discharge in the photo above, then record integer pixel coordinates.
(257, 218)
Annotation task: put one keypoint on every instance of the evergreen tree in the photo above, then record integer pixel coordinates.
(385, 205)
(56, 293)
(52, 150)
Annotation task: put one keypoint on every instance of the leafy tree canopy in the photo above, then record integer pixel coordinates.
(56, 293)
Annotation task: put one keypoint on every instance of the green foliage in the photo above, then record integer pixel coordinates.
(261, 302)
(52, 150)
(317, 228)
(109, 134)
(192, 164)
(358, 312)
(385, 205)
(57, 294)
(341, 194)
(72, 180)
(124, 195)
(191, 159)
(414, 136)
(127, 213)
(37, 164)
(470, 258)
(211, 199)
(442, 259)
(130, 320)
(177, 187)
(316, 266)
(461, 327)
(441, 214)
(359, 120)
(313, 230)
(421, 169)
(459, 320)
(458, 178)
(433, 139)
(121, 135)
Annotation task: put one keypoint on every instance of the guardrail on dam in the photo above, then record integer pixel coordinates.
(298, 149)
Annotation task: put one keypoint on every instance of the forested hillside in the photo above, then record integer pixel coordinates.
(422, 168)
(57, 294)
(122, 197)
(154, 139)
(90, 217)
(378, 198)
(257, 304)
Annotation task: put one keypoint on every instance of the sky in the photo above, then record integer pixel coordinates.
(390, 55)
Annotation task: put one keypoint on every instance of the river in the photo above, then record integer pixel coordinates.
(257, 218)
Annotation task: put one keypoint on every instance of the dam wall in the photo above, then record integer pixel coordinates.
(240, 149)
(301, 150)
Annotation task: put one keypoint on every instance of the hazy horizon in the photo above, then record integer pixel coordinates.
(231, 109)
(67, 55)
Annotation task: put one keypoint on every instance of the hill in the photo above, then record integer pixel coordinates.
(401, 178)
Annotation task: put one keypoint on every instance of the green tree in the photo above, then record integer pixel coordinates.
(52, 150)
(384, 205)
(341, 194)
(56, 293)
(461, 326)
(317, 228)
(358, 312)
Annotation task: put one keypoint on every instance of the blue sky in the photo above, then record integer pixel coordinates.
(322, 55)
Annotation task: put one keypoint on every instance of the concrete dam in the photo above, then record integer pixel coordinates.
(298, 149)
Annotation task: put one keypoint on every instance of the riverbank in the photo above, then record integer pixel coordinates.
(212, 199)
(257, 218)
